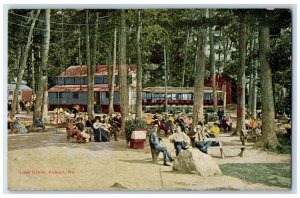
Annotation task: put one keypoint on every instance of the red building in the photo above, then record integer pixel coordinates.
(71, 88)
(25, 92)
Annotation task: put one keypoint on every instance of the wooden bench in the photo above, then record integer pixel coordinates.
(249, 135)
(223, 141)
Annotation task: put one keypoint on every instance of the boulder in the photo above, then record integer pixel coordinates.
(194, 161)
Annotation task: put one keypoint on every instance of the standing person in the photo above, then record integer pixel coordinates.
(200, 137)
(180, 140)
(155, 144)
(220, 114)
(27, 106)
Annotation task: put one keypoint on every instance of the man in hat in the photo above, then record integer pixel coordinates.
(200, 137)
(155, 144)
(180, 140)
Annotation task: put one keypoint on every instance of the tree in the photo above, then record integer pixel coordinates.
(199, 74)
(23, 65)
(212, 62)
(268, 138)
(93, 64)
(90, 105)
(41, 107)
(112, 75)
(241, 72)
(123, 72)
(139, 71)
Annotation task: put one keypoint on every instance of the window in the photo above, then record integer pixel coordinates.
(69, 81)
(98, 79)
(105, 80)
(116, 79)
(107, 94)
(75, 95)
(59, 95)
(78, 80)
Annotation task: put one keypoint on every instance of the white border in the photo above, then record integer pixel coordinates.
(145, 4)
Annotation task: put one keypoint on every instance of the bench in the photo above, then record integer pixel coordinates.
(154, 154)
(249, 134)
(223, 141)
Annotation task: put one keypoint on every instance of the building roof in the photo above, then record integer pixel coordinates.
(22, 87)
(175, 89)
(101, 70)
(78, 88)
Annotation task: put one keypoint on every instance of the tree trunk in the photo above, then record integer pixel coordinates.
(93, 64)
(90, 106)
(42, 94)
(212, 61)
(33, 72)
(199, 75)
(251, 80)
(79, 57)
(241, 74)
(268, 138)
(23, 65)
(112, 86)
(123, 72)
(166, 80)
(185, 57)
(254, 90)
(139, 72)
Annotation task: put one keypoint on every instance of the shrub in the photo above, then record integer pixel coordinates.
(131, 125)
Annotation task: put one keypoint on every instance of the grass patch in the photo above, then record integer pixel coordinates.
(269, 174)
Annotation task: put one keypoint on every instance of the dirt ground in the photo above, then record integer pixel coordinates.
(45, 161)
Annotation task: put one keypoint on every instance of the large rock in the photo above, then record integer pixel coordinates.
(194, 161)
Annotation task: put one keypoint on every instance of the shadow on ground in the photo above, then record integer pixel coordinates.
(58, 139)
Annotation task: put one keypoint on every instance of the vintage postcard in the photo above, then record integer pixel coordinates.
(194, 99)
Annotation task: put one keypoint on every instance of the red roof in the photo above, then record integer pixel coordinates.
(76, 88)
(101, 70)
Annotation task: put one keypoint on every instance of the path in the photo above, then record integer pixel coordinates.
(53, 164)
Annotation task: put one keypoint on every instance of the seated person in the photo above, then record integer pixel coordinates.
(105, 133)
(180, 140)
(214, 130)
(288, 128)
(10, 121)
(17, 125)
(85, 136)
(252, 124)
(114, 129)
(89, 122)
(226, 123)
(149, 119)
(96, 128)
(118, 120)
(200, 137)
(155, 144)
(39, 124)
(72, 131)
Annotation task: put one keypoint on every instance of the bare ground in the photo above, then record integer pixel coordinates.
(47, 162)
